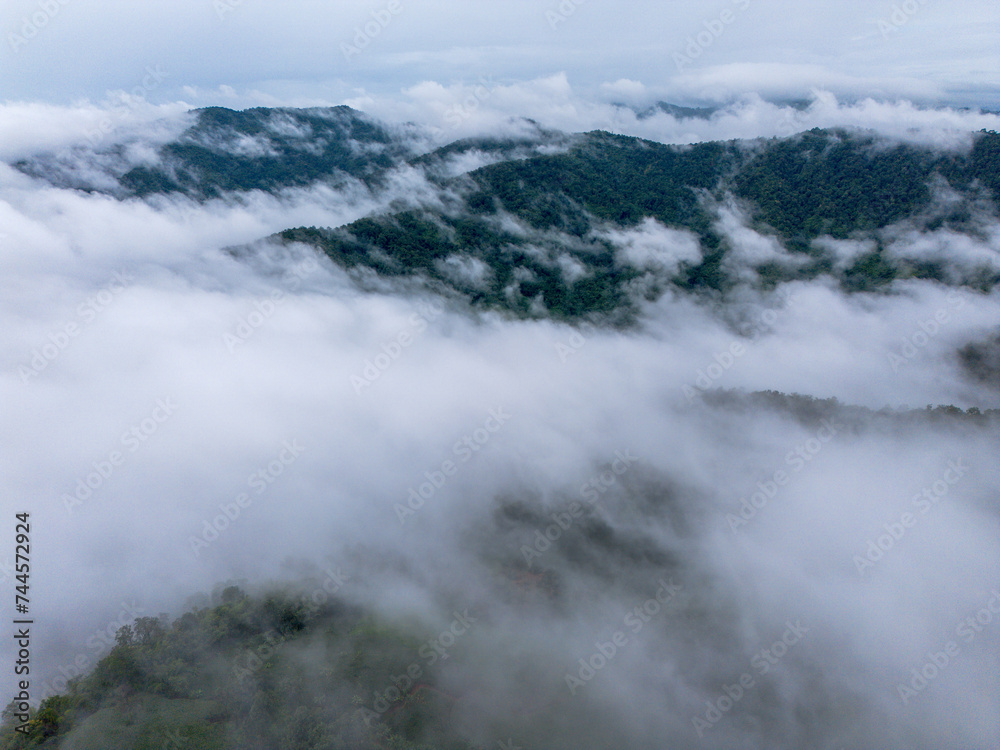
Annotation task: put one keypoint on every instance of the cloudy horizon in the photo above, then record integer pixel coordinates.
(188, 403)
(245, 53)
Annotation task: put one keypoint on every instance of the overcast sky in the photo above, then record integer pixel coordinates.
(160, 337)
(299, 52)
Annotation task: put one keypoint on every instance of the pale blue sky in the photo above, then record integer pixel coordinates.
(297, 51)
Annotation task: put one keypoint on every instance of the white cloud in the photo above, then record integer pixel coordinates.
(291, 378)
(652, 246)
(624, 87)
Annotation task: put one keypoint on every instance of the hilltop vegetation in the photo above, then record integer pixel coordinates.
(532, 236)
(542, 229)
(267, 149)
(250, 672)
(224, 152)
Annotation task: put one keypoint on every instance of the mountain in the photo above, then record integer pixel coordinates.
(229, 675)
(543, 235)
(225, 151)
(678, 111)
(582, 226)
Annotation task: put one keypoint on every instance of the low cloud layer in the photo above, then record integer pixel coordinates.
(768, 575)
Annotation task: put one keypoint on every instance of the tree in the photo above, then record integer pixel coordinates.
(125, 636)
(148, 631)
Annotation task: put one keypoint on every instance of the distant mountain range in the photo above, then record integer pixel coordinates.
(551, 224)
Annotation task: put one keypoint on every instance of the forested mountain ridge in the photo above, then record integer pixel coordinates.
(230, 675)
(266, 149)
(220, 152)
(543, 235)
(225, 151)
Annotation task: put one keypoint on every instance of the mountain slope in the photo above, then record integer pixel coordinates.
(545, 235)
(226, 151)
(587, 226)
